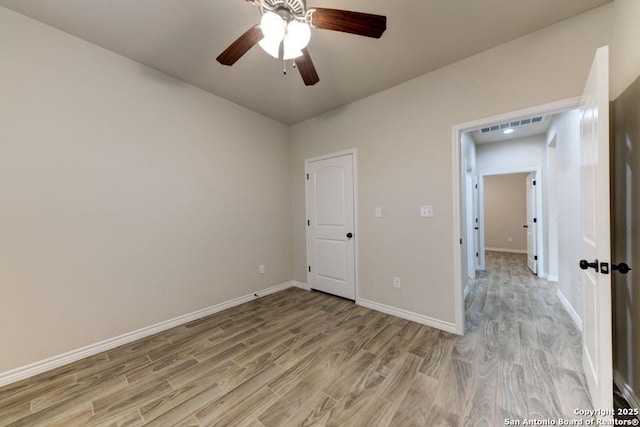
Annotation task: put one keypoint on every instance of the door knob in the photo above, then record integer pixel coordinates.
(622, 268)
(349, 235)
(584, 264)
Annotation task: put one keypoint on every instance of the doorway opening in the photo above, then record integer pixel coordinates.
(579, 152)
(509, 215)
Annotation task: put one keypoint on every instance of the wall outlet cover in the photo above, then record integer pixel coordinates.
(426, 211)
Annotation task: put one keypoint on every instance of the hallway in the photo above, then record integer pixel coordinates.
(525, 342)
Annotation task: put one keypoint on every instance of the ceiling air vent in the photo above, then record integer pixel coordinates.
(512, 124)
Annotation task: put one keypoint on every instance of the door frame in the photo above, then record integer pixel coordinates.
(458, 162)
(354, 156)
(472, 179)
(540, 238)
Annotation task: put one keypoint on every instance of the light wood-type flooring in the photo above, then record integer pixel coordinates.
(298, 358)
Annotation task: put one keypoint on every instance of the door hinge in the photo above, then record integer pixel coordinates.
(476, 186)
(477, 254)
(476, 220)
(308, 222)
(535, 219)
(535, 258)
(309, 269)
(534, 182)
(460, 241)
(307, 176)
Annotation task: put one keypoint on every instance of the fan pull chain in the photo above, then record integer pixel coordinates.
(284, 66)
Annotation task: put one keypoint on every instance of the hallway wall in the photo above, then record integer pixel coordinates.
(565, 129)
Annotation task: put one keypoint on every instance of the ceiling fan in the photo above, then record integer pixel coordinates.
(285, 29)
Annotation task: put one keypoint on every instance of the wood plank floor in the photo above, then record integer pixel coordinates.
(299, 358)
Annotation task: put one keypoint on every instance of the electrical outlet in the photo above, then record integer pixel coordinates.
(378, 212)
(426, 211)
(396, 282)
(509, 239)
(261, 269)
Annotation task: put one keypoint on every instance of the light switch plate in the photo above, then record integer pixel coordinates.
(396, 282)
(378, 212)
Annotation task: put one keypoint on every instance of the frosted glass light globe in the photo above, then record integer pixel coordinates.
(271, 46)
(272, 26)
(290, 50)
(299, 34)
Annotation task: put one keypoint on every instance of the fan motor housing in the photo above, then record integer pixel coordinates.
(287, 9)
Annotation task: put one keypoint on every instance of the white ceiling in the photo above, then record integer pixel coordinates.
(182, 38)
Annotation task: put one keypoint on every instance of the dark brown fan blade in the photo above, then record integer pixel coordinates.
(363, 24)
(306, 68)
(240, 46)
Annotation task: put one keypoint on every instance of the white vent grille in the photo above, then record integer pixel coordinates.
(513, 124)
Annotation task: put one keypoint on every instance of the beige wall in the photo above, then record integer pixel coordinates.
(625, 49)
(127, 197)
(505, 212)
(403, 137)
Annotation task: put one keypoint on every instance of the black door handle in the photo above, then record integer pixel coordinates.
(475, 228)
(622, 268)
(525, 226)
(349, 235)
(584, 264)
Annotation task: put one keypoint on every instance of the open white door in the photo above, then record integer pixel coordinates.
(596, 244)
(532, 224)
(330, 225)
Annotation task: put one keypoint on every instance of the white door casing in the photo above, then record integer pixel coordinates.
(330, 205)
(476, 223)
(532, 224)
(595, 232)
(469, 225)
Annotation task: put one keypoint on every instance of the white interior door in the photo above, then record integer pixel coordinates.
(532, 224)
(330, 225)
(595, 232)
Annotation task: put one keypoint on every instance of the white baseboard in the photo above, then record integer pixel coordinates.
(513, 251)
(626, 390)
(567, 306)
(300, 285)
(404, 314)
(27, 371)
(551, 278)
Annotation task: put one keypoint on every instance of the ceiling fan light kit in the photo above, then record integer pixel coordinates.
(288, 23)
(294, 36)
